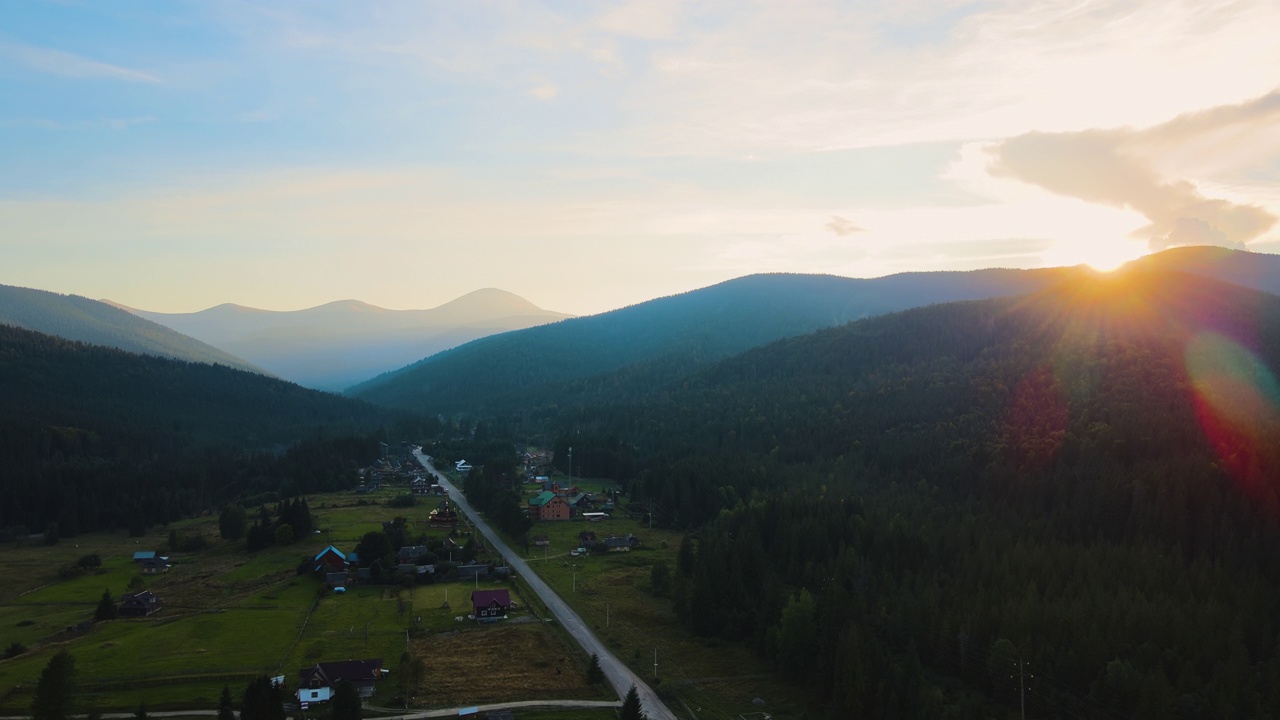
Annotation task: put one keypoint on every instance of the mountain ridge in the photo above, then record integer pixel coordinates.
(338, 343)
(81, 319)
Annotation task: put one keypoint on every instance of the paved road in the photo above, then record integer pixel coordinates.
(619, 675)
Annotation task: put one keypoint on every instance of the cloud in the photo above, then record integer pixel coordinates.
(57, 62)
(544, 90)
(842, 227)
(1130, 168)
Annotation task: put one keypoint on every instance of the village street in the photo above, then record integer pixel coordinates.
(618, 674)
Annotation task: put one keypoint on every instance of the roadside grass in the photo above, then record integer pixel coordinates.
(614, 596)
(229, 615)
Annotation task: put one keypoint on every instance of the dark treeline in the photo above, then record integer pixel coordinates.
(93, 438)
(1084, 478)
(494, 487)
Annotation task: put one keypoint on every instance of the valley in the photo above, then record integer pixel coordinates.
(874, 518)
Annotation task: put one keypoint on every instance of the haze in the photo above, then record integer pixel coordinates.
(587, 156)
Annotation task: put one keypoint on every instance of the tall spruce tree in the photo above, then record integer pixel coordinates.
(226, 711)
(53, 690)
(106, 609)
(631, 709)
(346, 702)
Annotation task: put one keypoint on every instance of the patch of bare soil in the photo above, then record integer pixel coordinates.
(499, 663)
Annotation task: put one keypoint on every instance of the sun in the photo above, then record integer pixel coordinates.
(1107, 258)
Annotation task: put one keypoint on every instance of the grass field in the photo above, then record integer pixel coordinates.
(701, 677)
(228, 616)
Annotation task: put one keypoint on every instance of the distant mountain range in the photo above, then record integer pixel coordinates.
(335, 345)
(76, 318)
(670, 335)
(675, 333)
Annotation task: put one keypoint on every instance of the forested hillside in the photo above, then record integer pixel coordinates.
(897, 510)
(77, 318)
(673, 334)
(97, 438)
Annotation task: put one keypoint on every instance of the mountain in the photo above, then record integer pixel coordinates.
(335, 345)
(670, 335)
(93, 437)
(84, 320)
(895, 511)
(1260, 271)
(683, 331)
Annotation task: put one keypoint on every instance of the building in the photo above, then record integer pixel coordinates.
(139, 604)
(330, 560)
(549, 506)
(490, 605)
(317, 683)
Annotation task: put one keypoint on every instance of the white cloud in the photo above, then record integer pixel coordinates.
(57, 62)
(1118, 167)
(842, 226)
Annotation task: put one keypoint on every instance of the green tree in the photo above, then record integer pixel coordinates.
(284, 534)
(660, 577)
(412, 669)
(595, 675)
(374, 546)
(232, 522)
(797, 636)
(631, 709)
(106, 609)
(346, 702)
(262, 700)
(14, 650)
(53, 690)
(226, 711)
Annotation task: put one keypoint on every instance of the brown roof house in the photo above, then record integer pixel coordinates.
(490, 605)
(317, 683)
(139, 604)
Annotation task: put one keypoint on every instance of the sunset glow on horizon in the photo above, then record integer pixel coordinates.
(588, 156)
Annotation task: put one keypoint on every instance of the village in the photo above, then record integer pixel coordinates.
(400, 581)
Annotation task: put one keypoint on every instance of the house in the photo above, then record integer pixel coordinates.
(463, 466)
(154, 566)
(549, 506)
(139, 604)
(443, 516)
(578, 501)
(490, 605)
(621, 544)
(587, 539)
(144, 555)
(541, 540)
(317, 683)
(330, 560)
(409, 554)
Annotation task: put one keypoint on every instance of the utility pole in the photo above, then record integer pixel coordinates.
(655, 663)
(606, 613)
(1022, 686)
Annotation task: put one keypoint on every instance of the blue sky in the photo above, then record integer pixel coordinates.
(172, 156)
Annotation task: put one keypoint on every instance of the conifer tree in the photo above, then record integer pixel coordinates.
(53, 689)
(106, 609)
(631, 709)
(595, 675)
(226, 711)
(346, 702)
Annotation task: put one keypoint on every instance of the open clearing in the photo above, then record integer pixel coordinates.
(497, 662)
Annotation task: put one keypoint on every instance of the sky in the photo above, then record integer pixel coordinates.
(172, 156)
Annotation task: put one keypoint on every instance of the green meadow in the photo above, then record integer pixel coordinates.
(227, 615)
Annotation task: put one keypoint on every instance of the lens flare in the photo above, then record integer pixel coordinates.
(1237, 403)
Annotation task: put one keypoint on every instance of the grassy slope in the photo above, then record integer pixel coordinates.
(228, 616)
